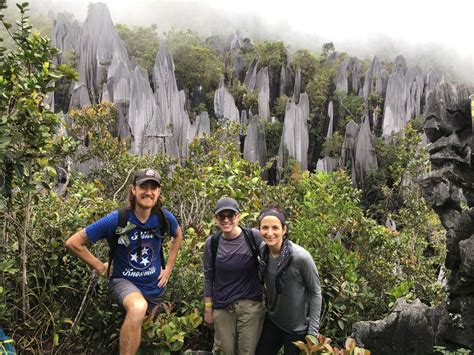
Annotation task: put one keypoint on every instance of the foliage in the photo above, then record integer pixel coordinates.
(321, 345)
(142, 43)
(307, 62)
(332, 146)
(363, 265)
(169, 331)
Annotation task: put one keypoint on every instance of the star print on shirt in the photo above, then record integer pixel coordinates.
(143, 260)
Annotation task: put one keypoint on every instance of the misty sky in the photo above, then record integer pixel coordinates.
(421, 30)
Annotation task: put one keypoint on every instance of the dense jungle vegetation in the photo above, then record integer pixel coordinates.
(50, 302)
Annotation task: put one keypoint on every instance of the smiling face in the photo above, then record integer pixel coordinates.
(227, 221)
(272, 232)
(146, 194)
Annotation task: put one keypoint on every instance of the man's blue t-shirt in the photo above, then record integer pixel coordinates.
(141, 269)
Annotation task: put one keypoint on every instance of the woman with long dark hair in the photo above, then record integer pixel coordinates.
(293, 290)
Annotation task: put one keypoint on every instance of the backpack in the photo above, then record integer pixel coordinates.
(249, 238)
(6, 343)
(159, 233)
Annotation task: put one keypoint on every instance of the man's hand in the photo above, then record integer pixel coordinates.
(164, 277)
(209, 316)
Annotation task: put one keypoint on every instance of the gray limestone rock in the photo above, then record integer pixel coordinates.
(96, 53)
(251, 75)
(297, 88)
(365, 160)
(224, 104)
(403, 97)
(172, 118)
(449, 190)
(286, 82)
(142, 110)
(65, 37)
(376, 78)
(409, 329)
(295, 141)
(234, 41)
(434, 78)
(331, 119)
(255, 148)
(347, 79)
(326, 164)
(262, 87)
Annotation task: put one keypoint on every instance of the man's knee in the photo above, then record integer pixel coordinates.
(135, 307)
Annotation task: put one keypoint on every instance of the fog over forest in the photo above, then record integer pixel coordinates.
(433, 37)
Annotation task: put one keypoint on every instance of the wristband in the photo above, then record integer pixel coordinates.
(208, 304)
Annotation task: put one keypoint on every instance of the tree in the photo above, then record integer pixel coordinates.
(28, 141)
(307, 62)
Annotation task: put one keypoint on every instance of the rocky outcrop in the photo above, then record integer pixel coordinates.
(172, 118)
(403, 97)
(365, 161)
(95, 54)
(251, 75)
(295, 141)
(255, 148)
(348, 145)
(326, 164)
(347, 79)
(262, 88)
(449, 190)
(142, 111)
(376, 78)
(65, 37)
(224, 104)
(286, 82)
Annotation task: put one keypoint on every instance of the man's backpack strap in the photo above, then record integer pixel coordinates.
(122, 222)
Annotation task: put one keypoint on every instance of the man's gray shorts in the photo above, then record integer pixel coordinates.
(121, 288)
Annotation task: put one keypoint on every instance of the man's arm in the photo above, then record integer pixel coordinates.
(174, 248)
(77, 245)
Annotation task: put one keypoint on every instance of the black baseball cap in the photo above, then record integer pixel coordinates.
(144, 175)
(227, 203)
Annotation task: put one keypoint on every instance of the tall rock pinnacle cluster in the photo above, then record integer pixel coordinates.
(156, 120)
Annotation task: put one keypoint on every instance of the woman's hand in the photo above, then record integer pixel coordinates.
(209, 316)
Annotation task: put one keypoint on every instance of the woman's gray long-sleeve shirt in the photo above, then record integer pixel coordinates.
(297, 309)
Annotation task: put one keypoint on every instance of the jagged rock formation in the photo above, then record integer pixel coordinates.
(449, 190)
(331, 119)
(95, 54)
(224, 104)
(171, 115)
(297, 87)
(348, 151)
(326, 164)
(434, 78)
(365, 160)
(251, 75)
(142, 110)
(286, 82)
(294, 140)
(255, 149)
(409, 329)
(376, 78)
(197, 129)
(65, 37)
(403, 97)
(348, 75)
(262, 87)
